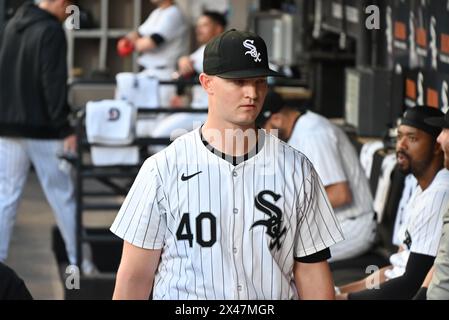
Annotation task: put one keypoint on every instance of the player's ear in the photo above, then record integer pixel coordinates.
(276, 119)
(437, 148)
(206, 82)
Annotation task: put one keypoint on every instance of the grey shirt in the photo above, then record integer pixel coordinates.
(439, 287)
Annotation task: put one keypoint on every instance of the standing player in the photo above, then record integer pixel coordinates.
(161, 40)
(227, 211)
(34, 125)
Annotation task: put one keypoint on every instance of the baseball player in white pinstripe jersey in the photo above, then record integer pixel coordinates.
(207, 218)
(418, 153)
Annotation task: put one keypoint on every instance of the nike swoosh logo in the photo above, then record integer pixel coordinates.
(185, 178)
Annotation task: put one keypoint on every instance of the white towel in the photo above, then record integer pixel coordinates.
(383, 186)
(399, 262)
(110, 122)
(110, 156)
(367, 154)
(139, 89)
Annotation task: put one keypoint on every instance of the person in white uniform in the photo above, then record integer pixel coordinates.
(418, 153)
(161, 40)
(209, 25)
(337, 164)
(227, 211)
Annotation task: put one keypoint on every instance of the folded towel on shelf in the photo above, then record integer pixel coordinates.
(110, 125)
(110, 122)
(111, 156)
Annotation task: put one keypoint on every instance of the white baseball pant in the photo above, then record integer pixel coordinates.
(16, 155)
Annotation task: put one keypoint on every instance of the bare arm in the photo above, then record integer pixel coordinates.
(133, 36)
(141, 44)
(428, 278)
(185, 66)
(314, 281)
(339, 194)
(135, 275)
(375, 278)
(144, 44)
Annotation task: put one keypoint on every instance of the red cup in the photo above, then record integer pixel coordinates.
(124, 47)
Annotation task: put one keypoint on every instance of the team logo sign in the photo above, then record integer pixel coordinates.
(274, 222)
(444, 97)
(252, 50)
(433, 42)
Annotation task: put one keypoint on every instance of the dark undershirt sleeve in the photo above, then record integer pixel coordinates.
(421, 294)
(157, 38)
(320, 256)
(401, 288)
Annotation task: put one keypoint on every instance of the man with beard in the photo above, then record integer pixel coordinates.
(338, 166)
(418, 153)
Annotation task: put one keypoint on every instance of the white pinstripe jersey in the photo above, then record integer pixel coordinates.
(425, 216)
(227, 232)
(335, 160)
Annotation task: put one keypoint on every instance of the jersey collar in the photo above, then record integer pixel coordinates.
(236, 160)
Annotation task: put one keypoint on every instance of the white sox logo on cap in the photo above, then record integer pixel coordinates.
(250, 60)
(252, 50)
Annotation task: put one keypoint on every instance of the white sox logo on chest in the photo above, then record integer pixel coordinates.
(273, 224)
(249, 44)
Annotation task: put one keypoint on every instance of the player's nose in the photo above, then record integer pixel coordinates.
(401, 143)
(251, 91)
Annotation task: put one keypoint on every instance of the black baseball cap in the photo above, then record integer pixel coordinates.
(439, 122)
(273, 104)
(416, 117)
(237, 54)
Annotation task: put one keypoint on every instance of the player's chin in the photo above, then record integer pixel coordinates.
(249, 114)
(246, 119)
(404, 168)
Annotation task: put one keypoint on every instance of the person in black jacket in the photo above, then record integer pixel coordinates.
(12, 286)
(34, 125)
